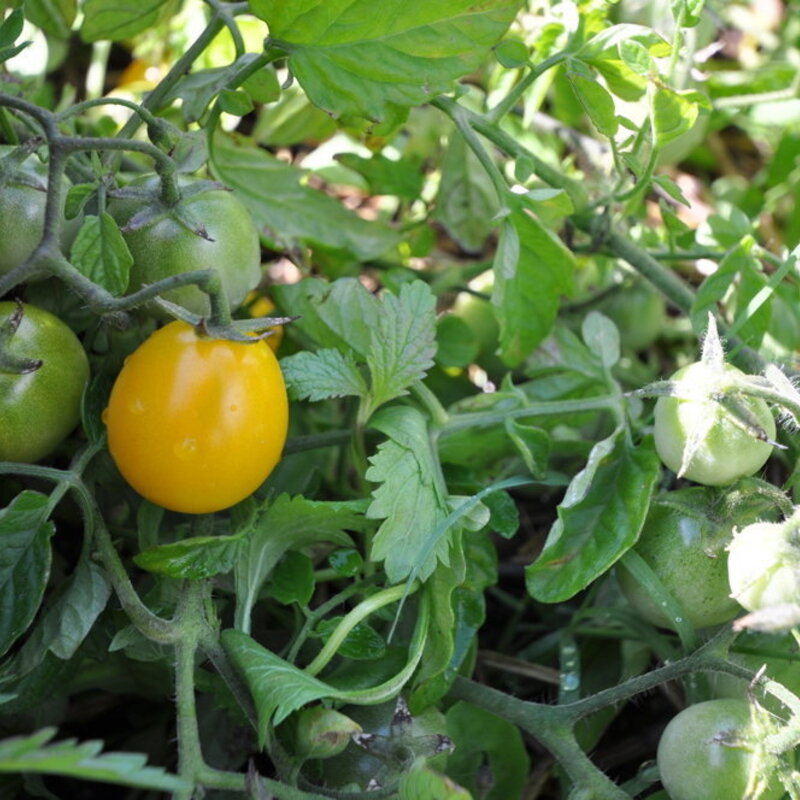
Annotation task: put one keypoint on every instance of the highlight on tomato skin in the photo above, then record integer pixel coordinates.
(197, 424)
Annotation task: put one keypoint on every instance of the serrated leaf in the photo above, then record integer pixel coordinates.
(77, 197)
(421, 48)
(101, 254)
(54, 17)
(533, 268)
(403, 342)
(85, 761)
(194, 558)
(116, 20)
(598, 520)
(466, 202)
(408, 499)
(289, 522)
(322, 375)
(25, 558)
(290, 212)
(350, 311)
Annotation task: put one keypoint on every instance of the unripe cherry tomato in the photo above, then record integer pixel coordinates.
(197, 424)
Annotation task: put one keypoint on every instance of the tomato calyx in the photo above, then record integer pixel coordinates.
(247, 331)
(9, 363)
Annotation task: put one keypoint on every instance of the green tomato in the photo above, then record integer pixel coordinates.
(764, 564)
(704, 754)
(726, 452)
(164, 246)
(683, 541)
(639, 313)
(22, 205)
(39, 409)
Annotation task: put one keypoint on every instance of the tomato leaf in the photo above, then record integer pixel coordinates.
(287, 210)
(37, 754)
(293, 579)
(466, 203)
(403, 342)
(532, 270)
(118, 19)
(194, 558)
(100, 253)
(410, 499)
(25, 558)
(54, 17)
(598, 520)
(318, 376)
(288, 523)
(421, 47)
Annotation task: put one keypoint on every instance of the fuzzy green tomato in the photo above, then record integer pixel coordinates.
(683, 541)
(726, 452)
(764, 564)
(704, 754)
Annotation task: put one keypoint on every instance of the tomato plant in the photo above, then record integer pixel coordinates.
(708, 752)
(639, 312)
(763, 562)
(725, 451)
(209, 229)
(197, 424)
(39, 408)
(684, 541)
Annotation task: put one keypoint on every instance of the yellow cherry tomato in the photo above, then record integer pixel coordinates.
(262, 306)
(197, 424)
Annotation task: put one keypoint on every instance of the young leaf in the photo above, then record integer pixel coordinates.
(421, 47)
(85, 761)
(25, 558)
(293, 579)
(674, 113)
(532, 270)
(289, 522)
(598, 520)
(54, 17)
(100, 253)
(403, 342)
(595, 98)
(321, 375)
(409, 499)
(194, 558)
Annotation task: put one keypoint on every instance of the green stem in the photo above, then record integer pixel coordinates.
(510, 100)
(482, 419)
(438, 414)
(364, 609)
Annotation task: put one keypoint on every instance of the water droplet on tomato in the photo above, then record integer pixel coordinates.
(186, 449)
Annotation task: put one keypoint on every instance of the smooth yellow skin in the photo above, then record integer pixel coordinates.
(197, 424)
(262, 306)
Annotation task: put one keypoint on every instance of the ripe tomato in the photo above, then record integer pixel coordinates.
(703, 754)
(197, 424)
(38, 409)
(763, 562)
(163, 246)
(726, 452)
(683, 541)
